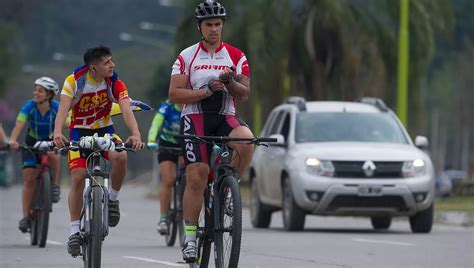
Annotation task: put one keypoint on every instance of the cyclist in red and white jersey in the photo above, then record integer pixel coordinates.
(209, 78)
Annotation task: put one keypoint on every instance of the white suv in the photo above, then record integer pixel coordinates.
(340, 158)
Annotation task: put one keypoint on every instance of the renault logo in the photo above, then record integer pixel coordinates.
(369, 168)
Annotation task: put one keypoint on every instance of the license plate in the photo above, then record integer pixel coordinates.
(370, 190)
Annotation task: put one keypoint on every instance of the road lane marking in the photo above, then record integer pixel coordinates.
(54, 242)
(388, 242)
(154, 261)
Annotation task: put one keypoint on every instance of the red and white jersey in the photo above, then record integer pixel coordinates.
(201, 66)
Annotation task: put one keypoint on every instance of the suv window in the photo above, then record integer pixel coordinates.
(268, 124)
(358, 127)
(286, 126)
(274, 128)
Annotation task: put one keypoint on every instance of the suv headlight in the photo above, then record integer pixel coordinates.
(320, 167)
(414, 168)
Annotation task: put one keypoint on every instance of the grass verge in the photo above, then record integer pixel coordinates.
(455, 203)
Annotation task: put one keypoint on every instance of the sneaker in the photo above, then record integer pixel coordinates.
(162, 227)
(190, 251)
(74, 244)
(114, 213)
(24, 225)
(56, 193)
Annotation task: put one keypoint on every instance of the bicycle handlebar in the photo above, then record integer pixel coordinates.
(75, 146)
(224, 139)
(39, 146)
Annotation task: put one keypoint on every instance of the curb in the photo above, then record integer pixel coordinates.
(454, 218)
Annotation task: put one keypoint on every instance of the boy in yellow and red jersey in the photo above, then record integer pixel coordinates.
(89, 92)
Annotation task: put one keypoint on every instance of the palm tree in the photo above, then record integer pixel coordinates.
(350, 47)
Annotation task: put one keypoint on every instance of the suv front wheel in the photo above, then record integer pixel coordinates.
(260, 215)
(422, 221)
(293, 216)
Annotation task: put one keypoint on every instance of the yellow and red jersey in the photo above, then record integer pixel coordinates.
(93, 100)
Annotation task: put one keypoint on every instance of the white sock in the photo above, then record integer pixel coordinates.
(113, 194)
(75, 227)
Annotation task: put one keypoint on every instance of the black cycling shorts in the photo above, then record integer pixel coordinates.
(165, 155)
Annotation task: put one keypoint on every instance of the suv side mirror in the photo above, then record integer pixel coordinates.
(421, 142)
(280, 140)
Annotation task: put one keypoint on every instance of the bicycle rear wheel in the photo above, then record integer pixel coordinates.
(228, 222)
(179, 207)
(173, 220)
(44, 207)
(95, 238)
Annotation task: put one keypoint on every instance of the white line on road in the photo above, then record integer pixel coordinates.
(54, 242)
(154, 261)
(383, 242)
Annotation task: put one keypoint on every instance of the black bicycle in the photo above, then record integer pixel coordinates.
(221, 216)
(42, 205)
(175, 210)
(95, 210)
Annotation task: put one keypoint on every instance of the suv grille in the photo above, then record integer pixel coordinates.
(353, 169)
(354, 201)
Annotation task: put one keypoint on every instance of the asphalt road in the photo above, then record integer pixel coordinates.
(326, 241)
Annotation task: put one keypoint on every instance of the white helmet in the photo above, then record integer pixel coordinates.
(48, 84)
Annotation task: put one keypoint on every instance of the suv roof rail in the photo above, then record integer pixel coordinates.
(377, 102)
(300, 102)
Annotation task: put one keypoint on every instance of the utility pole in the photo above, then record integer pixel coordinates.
(403, 62)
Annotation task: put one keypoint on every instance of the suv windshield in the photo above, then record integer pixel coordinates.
(336, 127)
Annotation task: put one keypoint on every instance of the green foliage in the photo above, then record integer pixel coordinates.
(455, 203)
(451, 97)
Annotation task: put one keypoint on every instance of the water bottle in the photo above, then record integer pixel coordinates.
(215, 152)
(211, 195)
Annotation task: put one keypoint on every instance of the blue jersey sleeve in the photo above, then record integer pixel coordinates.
(164, 109)
(25, 111)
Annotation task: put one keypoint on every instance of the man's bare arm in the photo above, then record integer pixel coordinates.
(180, 93)
(239, 87)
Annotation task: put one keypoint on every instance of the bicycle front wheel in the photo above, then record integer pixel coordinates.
(96, 235)
(44, 207)
(228, 222)
(34, 215)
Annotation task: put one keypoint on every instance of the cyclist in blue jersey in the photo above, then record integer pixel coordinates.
(167, 118)
(38, 114)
